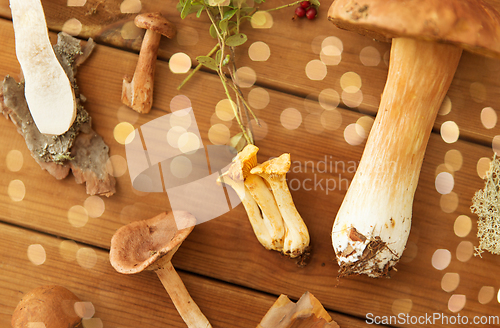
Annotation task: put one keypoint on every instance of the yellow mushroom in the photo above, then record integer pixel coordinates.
(270, 212)
(236, 182)
(274, 171)
(235, 178)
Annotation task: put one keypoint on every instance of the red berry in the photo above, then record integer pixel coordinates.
(300, 12)
(311, 13)
(305, 4)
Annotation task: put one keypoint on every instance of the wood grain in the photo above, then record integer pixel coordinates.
(225, 248)
(31, 259)
(474, 87)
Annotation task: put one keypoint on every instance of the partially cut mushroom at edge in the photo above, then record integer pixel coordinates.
(48, 306)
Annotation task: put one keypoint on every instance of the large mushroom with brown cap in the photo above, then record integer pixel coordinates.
(150, 245)
(52, 306)
(373, 223)
(137, 93)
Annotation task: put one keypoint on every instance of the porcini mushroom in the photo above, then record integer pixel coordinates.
(373, 223)
(150, 245)
(48, 91)
(137, 93)
(256, 198)
(296, 239)
(52, 306)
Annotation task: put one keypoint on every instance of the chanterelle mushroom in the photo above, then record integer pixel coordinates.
(296, 239)
(137, 93)
(258, 201)
(373, 223)
(50, 306)
(150, 245)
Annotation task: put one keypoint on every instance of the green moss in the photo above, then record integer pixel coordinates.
(486, 204)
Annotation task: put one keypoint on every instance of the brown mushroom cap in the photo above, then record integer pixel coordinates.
(149, 243)
(471, 24)
(157, 23)
(52, 305)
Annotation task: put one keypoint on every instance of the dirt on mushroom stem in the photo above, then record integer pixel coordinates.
(373, 223)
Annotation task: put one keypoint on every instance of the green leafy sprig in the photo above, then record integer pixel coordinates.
(226, 17)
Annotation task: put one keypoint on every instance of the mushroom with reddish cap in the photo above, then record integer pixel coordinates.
(52, 306)
(150, 245)
(373, 223)
(137, 93)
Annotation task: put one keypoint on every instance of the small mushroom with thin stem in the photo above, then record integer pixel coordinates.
(373, 223)
(50, 306)
(150, 245)
(296, 240)
(256, 198)
(137, 93)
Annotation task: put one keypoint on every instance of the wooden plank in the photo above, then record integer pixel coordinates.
(30, 259)
(225, 248)
(474, 88)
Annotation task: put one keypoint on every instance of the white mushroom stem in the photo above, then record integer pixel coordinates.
(48, 91)
(185, 305)
(252, 209)
(274, 171)
(270, 212)
(373, 223)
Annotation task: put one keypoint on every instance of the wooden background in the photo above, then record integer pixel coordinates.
(232, 278)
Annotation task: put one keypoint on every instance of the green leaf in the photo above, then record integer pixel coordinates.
(246, 11)
(208, 62)
(195, 9)
(314, 3)
(198, 14)
(223, 25)
(236, 40)
(232, 27)
(213, 32)
(229, 14)
(179, 6)
(238, 3)
(186, 9)
(218, 56)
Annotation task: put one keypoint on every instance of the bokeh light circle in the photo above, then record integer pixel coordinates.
(259, 51)
(179, 63)
(441, 259)
(290, 118)
(36, 254)
(450, 131)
